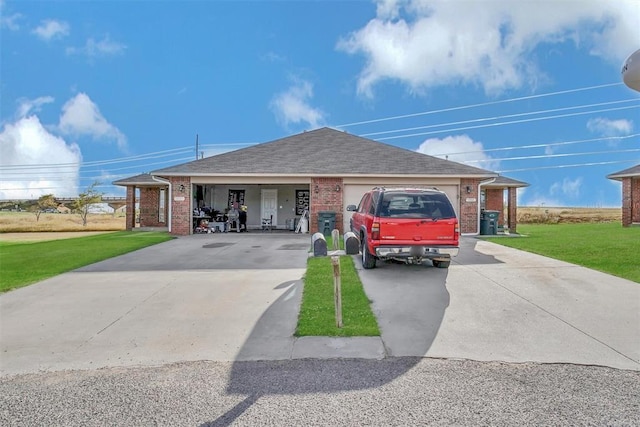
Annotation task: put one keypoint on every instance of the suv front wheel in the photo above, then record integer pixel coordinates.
(368, 260)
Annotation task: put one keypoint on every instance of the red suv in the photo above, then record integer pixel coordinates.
(406, 224)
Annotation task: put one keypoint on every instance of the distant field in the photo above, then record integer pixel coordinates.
(560, 215)
(21, 222)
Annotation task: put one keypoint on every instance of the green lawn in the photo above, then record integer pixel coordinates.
(606, 247)
(23, 263)
(317, 313)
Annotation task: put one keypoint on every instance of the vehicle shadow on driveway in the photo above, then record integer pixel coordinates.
(409, 302)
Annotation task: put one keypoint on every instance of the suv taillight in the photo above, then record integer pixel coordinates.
(375, 231)
(456, 232)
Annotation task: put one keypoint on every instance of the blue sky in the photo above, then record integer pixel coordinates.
(98, 91)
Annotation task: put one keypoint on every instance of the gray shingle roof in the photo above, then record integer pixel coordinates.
(323, 152)
(503, 182)
(632, 171)
(142, 179)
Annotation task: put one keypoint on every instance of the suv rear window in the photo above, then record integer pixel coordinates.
(416, 205)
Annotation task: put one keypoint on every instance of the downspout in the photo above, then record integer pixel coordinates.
(488, 181)
(164, 181)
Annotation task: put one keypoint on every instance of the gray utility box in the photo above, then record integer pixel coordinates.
(326, 222)
(489, 222)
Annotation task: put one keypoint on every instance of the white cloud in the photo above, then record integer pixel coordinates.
(542, 201)
(31, 159)
(10, 22)
(95, 49)
(488, 43)
(567, 188)
(292, 106)
(607, 127)
(28, 106)
(81, 116)
(461, 149)
(50, 29)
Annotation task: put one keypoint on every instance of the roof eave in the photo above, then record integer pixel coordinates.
(311, 175)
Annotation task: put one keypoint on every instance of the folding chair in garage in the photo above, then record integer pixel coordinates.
(267, 223)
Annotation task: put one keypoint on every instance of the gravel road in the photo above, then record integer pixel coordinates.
(394, 391)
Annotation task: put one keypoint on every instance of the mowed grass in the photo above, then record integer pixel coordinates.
(607, 247)
(317, 313)
(24, 263)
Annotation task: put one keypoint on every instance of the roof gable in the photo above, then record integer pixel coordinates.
(630, 172)
(323, 152)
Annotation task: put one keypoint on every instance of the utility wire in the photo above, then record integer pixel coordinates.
(548, 156)
(485, 119)
(553, 144)
(508, 123)
(569, 166)
(483, 104)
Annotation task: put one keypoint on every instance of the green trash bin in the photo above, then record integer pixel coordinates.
(489, 222)
(326, 222)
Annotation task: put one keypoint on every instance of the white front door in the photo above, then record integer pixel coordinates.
(269, 206)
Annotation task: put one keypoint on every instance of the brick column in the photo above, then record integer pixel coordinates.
(513, 209)
(130, 214)
(325, 195)
(627, 202)
(181, 206)
(635, 200)
(469, 210)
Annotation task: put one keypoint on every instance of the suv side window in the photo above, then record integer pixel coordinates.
(374, 202)
(364, 203)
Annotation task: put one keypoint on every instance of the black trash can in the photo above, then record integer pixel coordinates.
(489, 222)
(326, 222)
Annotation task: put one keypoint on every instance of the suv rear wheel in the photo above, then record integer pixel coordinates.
(441, 264)
(368, 260)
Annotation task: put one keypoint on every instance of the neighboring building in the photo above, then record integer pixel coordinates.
(320, 170)
(630, 179)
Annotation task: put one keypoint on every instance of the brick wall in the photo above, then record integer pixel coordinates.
(469, 210)
(635, 200)
(130, 217)
(494, 201)
(630, 201)
(181, 206)
(149, 204)
(513, 209)
(324, 197)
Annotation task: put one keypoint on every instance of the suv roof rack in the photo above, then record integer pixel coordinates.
(408, 189)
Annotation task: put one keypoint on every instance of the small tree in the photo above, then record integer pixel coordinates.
(84, 201)
(44, 202)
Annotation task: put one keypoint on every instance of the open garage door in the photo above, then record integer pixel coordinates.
(353, 193)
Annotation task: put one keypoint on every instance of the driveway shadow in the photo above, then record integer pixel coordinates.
(409, 303)
(469, 256)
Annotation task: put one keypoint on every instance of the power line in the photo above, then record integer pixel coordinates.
(553, 144)
(483, 104)
(152, 155)
(508, 123)
(484, 119)
(568, 166)
(548, 156)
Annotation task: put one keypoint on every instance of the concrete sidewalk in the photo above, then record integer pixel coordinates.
(236, 297)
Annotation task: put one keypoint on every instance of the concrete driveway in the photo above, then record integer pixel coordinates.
(192, 298)
(499, 304)
(230, 297)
